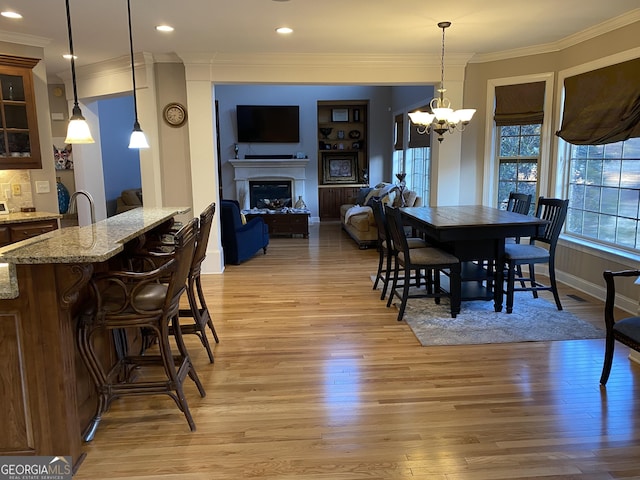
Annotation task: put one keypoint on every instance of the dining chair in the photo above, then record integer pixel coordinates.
(131, 300)
(519, 203)
(554, 210)
(624, 330)
(386, 251)
(433, 261)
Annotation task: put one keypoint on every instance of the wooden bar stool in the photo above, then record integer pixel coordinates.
(140, 300)
(198, 307)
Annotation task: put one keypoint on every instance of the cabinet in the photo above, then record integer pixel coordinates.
(15, 232)
(330, 199)
(19, 141)
(343, 160)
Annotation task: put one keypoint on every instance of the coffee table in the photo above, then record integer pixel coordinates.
(285, 224)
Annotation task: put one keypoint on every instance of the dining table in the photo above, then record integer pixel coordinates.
(476, 234)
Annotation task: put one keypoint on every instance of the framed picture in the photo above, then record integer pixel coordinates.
(4, 210)
(340, 115)
(340, 167)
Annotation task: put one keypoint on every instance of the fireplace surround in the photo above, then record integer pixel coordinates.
(268, 169)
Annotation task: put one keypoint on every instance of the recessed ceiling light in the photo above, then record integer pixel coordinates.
(284, 30)
(67, 56)
(11, 14)
(164, 28)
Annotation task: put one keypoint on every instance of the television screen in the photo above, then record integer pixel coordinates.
(268, 123)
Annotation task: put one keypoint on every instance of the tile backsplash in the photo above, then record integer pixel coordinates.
(15, 189)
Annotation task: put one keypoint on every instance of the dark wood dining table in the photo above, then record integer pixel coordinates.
(475, 234)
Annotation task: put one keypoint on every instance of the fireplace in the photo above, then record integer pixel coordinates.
(263, 170)
(269, 193)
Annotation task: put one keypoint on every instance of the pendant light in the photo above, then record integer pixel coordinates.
(443, 118)
(138, 139)
(78, 129)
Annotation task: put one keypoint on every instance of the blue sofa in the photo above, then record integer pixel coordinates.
(241, 241)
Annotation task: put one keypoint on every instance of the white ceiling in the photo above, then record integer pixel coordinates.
(364, 27)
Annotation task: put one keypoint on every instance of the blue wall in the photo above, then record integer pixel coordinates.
(383, 102)
(120, 164)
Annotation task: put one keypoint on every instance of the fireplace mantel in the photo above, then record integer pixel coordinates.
(293, 169)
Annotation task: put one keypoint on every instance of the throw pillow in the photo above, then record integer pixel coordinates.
(362, 195)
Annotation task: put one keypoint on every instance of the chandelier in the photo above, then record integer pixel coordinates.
(443, 118)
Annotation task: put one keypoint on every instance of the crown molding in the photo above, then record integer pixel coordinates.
(24, 39)
(605, 27)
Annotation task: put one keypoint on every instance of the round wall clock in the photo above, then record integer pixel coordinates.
(175, 114)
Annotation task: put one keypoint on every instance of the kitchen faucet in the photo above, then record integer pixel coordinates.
(73, 200)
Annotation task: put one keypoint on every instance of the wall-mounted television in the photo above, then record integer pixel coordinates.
(268, 123)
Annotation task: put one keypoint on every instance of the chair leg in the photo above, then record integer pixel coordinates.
(199, 321)
(97, 373)
(405, 293)
(206, 309)
(532, 276)
(454, 289)
(380, 264)
(552, 282)
(387, 276)
(394, 284)
(608, 359)
(510, 286)
(170, 370)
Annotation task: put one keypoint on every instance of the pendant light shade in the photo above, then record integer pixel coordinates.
(78, 129)
(138, 139)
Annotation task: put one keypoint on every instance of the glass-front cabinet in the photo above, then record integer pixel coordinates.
(19, 141)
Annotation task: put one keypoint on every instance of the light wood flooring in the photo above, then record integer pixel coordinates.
(314, 379)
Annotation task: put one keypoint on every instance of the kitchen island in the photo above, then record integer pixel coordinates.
(47, 395)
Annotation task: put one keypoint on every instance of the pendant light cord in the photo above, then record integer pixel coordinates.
(133, 74)
(73, 63)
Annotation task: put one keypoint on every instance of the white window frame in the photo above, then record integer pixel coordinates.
(491, 163)
(563, 149)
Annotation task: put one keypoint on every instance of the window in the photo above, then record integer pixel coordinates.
(412, 157)
(418, 171)
(604, 192)
(518, 161)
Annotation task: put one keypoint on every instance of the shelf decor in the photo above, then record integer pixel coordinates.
(340, 115)
(340, 167)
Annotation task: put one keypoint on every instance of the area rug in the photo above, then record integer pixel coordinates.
(532, 320)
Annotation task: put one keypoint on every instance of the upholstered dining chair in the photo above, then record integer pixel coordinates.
(432, 260)
(624, 330)
(554, 210)
(121, 300)
(386, 250)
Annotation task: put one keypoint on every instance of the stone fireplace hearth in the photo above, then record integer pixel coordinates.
(245, 170)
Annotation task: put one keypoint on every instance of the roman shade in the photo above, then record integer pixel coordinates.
(521, 104)
(416, 139)
(602, 106)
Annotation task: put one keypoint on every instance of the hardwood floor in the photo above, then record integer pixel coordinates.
(315, 379)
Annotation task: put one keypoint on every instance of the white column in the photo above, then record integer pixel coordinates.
(203, 157)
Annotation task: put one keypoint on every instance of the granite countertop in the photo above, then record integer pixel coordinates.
(88, 244)
(20, 217)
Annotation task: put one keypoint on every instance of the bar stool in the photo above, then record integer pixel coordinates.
(140, 300)
(198, 309)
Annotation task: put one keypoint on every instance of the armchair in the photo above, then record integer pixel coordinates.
(241, 241)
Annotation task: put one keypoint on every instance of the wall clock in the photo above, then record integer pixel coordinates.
(175, 114)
